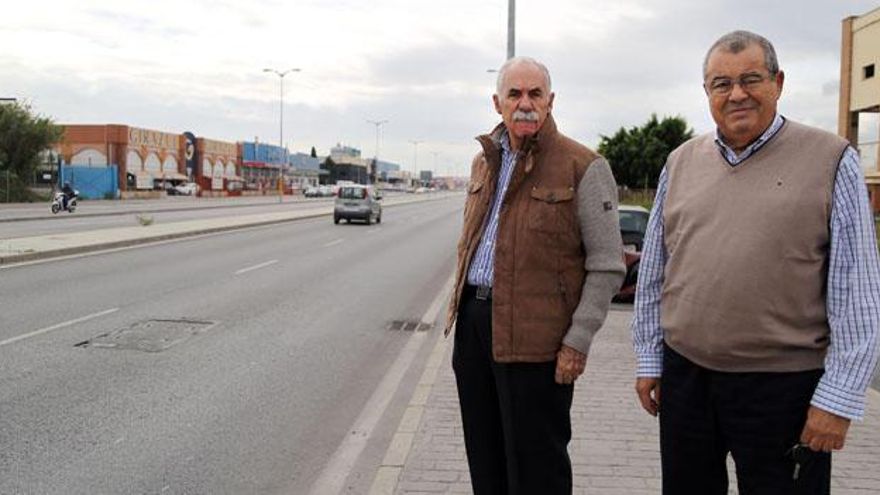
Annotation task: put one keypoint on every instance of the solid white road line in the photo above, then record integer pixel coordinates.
(256, 267)
(333, 243)
(332, 478)
(56, 327)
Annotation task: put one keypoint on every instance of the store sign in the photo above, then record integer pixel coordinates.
(189, 153)
(226, 150)
(152, 139)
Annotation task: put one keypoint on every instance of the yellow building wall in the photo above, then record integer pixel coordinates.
(866, 50)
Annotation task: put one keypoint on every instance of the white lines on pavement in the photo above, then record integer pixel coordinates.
(56, 327)
(256, 267)
(332, 478)
(333, 243)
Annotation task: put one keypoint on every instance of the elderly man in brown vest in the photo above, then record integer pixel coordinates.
(758, 303)
(539, 259)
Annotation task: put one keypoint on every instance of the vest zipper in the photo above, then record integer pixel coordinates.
(562, 290)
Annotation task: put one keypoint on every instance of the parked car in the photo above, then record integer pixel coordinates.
(187, 189)
(633, 226)
(312, 192)
(357, 202)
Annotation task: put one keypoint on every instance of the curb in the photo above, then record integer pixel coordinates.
(22, 257)
(55, 253)
(388, 474)
(141, 212)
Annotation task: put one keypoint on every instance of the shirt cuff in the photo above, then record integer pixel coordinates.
(650, 364)
(839, 401)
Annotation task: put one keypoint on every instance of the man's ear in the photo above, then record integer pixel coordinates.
(550, 103)
(779, 80)
(497, 103)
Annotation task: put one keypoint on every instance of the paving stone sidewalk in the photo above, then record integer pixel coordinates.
(614, 448)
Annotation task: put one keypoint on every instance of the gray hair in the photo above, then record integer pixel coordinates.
(516, 61)
(737, 41)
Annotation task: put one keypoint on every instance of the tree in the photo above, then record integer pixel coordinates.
(314, 153)
(637, 155)
(23, 137)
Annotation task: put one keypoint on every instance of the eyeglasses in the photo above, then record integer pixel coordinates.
(721, 86)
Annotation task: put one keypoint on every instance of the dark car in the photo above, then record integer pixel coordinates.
(633, 225)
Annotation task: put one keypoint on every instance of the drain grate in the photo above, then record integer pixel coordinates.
(149, 335)
(409, 326)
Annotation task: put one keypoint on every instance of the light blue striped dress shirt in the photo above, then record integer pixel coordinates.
(482, 268)
(852, 301)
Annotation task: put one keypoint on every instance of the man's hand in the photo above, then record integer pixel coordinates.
(824, 431)
(570, 363)
(648, 389)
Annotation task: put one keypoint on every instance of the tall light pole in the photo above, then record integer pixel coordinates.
(377, 123)
(415, 143)
(511, 28)
(281, 74)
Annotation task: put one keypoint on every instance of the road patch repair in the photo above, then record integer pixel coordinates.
(149, 335)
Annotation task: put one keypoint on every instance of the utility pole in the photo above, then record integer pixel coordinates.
(415, 143)
(511, 29)
(376, 123)
(281, 75)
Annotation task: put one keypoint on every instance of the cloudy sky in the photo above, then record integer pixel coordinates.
(197, 65)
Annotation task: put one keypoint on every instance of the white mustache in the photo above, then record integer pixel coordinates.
(527, 116)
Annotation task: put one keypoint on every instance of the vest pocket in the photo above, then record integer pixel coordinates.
(472, 197)
(551, 209)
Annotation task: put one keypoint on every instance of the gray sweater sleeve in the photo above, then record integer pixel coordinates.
(600, 231)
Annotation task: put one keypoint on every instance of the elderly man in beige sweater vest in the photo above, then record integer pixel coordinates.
(758, 302)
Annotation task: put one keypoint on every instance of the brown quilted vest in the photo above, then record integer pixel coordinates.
(539, 256)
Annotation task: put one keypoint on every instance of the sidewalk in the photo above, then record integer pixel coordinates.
(614, 448)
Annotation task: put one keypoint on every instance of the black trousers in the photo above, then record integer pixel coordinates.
(516, 418)
(756, 417)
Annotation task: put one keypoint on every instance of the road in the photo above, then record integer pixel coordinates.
(275, 339)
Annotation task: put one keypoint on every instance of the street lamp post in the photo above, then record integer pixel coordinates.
(415, 143)
(511, 28)
(376, 123)
(281, 74)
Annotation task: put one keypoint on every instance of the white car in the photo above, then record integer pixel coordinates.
(187, 189)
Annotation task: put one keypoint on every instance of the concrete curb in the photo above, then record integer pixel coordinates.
(146, 237)
(387, 476)
(55, 253)
(62, 216)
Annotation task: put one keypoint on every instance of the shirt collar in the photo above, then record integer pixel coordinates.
(505, 142)
(732, 156)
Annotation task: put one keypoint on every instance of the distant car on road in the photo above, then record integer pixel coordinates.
(357, 202)
(633, 226)
(312, 192)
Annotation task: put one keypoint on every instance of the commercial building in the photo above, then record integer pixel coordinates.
(860, 87)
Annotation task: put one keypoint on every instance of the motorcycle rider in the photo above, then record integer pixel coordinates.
(69, 193)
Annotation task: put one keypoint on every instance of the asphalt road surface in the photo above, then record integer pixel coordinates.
(228, 363)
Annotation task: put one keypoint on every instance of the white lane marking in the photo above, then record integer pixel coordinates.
(56, 327)
(256, 267)
(332, 478)
(333, 243)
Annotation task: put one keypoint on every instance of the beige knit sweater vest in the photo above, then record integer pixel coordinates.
(744, 287)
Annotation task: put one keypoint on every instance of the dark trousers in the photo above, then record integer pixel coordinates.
(516, 418)
(756, 417)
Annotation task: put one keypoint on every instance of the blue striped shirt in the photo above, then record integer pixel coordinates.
(852, 301)
(482, 268)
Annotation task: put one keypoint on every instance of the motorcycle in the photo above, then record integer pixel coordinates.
(58, 202)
